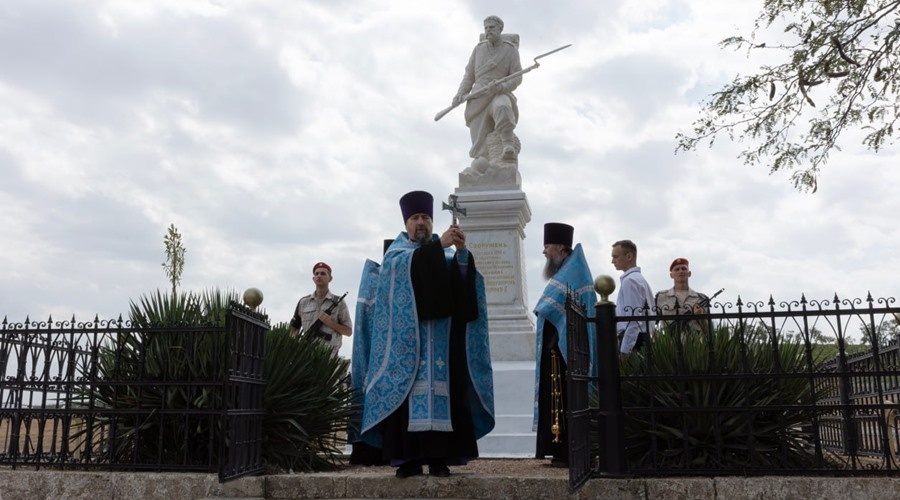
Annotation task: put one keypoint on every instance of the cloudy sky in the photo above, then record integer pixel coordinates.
(275, 134)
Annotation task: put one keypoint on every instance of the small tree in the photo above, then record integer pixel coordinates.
(174, 264)
(885, 333)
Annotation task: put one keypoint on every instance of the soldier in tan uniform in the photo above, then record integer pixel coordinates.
(681, 299)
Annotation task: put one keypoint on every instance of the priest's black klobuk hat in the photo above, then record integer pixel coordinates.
(557, 233)
(416, 202)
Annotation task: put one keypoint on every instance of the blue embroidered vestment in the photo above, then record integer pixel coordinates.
(574, 275)
(408, 357)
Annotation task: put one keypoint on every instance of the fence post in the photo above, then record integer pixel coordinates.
(610, 425)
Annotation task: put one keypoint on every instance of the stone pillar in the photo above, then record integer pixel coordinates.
(495, 228)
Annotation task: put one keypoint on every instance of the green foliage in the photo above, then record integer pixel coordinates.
(178, 342)
(842, 55)
(308, 403)
(885, 333)
(825, 352)
(174, 264)
(726, 436)
(173, 310)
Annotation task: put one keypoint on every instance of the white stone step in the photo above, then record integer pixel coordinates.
(507, 445)
(513, 423)
(513, 410)
(513, 388)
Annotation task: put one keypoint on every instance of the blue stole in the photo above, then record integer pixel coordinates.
(408, 358)
(574, 275)
(362, 332)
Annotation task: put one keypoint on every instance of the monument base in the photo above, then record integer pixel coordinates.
(496, 214)
(514, 408)
(495, 227)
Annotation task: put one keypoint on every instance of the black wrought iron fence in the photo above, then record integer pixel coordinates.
(578, 380)
(244, 409)
(868, 381)
(107, 394)
(750, 388)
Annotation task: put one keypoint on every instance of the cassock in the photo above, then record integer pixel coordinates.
(574, 276)
(429, 383)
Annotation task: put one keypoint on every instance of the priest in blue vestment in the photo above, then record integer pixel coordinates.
(566, 270)
(361, 452)
(428, 390)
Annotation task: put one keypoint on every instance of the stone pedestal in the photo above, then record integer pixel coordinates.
(495, 228)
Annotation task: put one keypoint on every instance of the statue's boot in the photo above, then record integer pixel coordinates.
(507, 140)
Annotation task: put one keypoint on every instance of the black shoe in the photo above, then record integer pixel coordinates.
(408, 470)
(559, 462)
(438, 470)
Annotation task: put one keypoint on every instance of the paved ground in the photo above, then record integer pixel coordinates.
(518, 467)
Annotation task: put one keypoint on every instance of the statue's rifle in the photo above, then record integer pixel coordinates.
(315, 329)
(484, 90)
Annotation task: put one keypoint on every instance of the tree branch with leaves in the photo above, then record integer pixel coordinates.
(840, 73)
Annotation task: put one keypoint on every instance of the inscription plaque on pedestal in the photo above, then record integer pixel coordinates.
(494, 225)
(495, 260)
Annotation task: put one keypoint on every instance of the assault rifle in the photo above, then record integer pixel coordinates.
(705, 302)
(315, 329)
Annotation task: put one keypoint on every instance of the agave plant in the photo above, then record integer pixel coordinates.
(686, 372)
(308, 403)
(161, 382)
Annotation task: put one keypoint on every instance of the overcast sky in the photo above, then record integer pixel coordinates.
(275, 134)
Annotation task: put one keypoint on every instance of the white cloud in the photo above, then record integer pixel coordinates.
(277, 134)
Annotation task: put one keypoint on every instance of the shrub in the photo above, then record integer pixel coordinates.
(169, 363)
(172, 362)
(308, 403)
(684, 372)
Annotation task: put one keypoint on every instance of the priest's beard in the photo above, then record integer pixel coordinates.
(551, 267)
(422, 236)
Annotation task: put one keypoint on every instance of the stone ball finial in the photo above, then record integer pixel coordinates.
(604, 285)
(253, 297)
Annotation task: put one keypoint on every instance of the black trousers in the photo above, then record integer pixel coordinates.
(643, 338)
